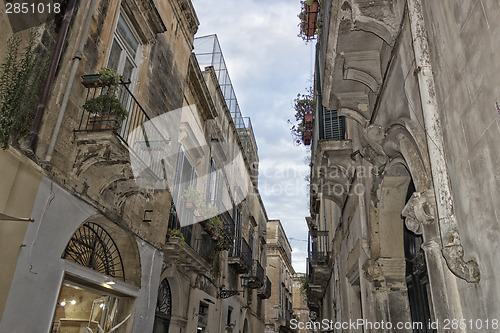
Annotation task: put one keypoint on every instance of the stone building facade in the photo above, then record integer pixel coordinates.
(404, 198)
(279, 307)
(300, 309)
(153, 222)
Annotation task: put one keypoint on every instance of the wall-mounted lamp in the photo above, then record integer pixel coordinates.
(64, 302)
(244, 281)
(223, 293)
(109, 282)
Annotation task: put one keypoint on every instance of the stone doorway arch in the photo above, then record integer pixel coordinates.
(403, 199)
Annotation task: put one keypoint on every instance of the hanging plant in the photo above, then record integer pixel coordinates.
(301, 128)
(309, 19)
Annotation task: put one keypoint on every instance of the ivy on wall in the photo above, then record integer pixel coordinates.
(21, 76)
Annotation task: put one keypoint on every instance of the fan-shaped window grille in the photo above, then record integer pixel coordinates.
(91, 246)
(164, 301)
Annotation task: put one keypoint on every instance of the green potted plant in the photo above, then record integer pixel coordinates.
(309, 19)
(192, 197)
(106, 109)
(301, 128)
(195, 200)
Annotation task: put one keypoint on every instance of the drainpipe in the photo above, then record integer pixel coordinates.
(452, 250)
(69, 85)
(37, 123)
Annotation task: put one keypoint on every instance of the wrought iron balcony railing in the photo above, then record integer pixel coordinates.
(117, 109)
(265, 291)
(318, 246)
(240, 256)
(256, 276)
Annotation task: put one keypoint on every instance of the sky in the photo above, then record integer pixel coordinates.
(268, 65)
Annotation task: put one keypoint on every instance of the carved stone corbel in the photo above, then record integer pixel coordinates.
(419, 211)
(371, 149)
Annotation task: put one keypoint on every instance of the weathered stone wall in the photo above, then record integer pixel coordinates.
(463, 49)
(162, 73)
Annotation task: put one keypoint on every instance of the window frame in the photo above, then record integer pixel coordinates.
(124, 52)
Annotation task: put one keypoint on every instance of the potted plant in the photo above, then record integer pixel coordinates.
(195, 200)
(301, 128)
(191, 197)
(309, 19)
(106, 109)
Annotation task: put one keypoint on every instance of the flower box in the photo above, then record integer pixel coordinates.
(306, 137)
(101, 123)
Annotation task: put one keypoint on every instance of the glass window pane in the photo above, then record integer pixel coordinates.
(127, 36)
(114, 56)
(127, 70)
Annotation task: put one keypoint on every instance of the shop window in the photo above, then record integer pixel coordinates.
(163, 308)
(80, 308)
(92, 246)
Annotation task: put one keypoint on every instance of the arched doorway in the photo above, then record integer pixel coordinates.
(402, 282)
(163, 311)
(89, 300)
(417, 279)
(245, 327)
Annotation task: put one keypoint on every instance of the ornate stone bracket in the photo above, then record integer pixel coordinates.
(372, 150)
(419, 211)
(454, 256)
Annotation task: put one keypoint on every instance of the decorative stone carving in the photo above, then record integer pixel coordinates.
(454, 256)
(419, 211)
(372, 150)
(364, 67)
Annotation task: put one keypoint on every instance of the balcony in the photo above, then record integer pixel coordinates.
(240, 256)
(186, 258)
(142, 138)
(116, 160)
(318, 269)
(256, 277)
(265, 291)
(314, 292)
(318, 246)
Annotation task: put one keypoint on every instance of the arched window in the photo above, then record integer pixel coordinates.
(92, 246)
(163, 308)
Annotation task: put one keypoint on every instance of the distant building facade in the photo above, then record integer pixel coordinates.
(300, 309)
(279, 307)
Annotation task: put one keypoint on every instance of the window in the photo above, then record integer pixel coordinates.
(79, 308)
(92, 246)
(229, 313)
(202, 317)
(163, 308)
(124, 54)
